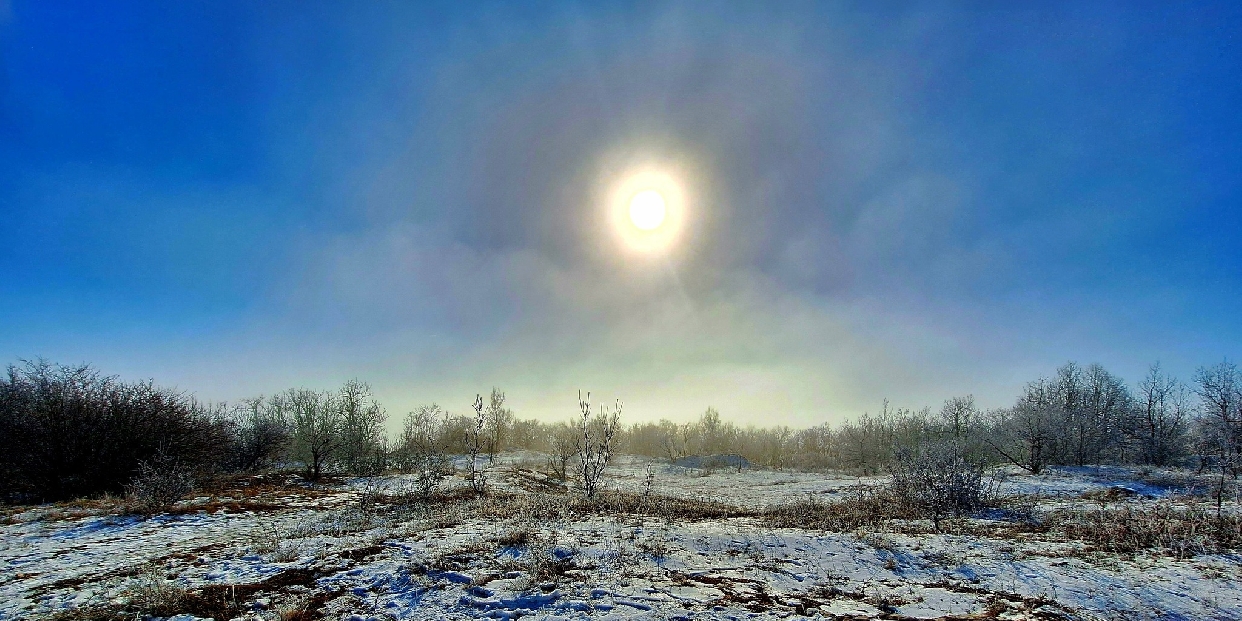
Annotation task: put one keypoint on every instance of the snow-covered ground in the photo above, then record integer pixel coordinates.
(277, 547)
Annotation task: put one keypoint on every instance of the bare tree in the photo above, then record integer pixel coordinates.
(812, 448)
(1220, 390)
(422, 449)
(596, 442)
(867, 443)
(959, 416)
(499, 422)
(1026, 434)
(316, 428)
(1159, 418)
(528, 434)
(1091, 403)
(775, 447)
(261, 435)
(563, 449)
(711, 432)
(362, 447)
(1075, 417)
(675, 439)
(474, 446)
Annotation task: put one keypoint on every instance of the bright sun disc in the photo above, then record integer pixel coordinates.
(647, 210)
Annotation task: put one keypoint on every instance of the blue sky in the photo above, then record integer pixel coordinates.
(911, 201)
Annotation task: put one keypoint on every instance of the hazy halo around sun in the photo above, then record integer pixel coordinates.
(647, 210)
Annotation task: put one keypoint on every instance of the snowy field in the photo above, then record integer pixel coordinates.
(274, 548)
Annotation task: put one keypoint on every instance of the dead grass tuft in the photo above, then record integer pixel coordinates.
(863, 507)
(151, 595)
(516, 537)
(1182, 530)
(536, 507)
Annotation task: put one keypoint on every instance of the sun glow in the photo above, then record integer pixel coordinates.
(647, 210)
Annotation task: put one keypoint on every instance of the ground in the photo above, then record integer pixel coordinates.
(698, 545)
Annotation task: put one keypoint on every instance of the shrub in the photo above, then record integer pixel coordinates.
(596, 444)
(67, 432)
(154, 595)
(160, 482)
(938, 481)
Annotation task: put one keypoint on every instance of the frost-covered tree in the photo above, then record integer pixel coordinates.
(1027, 434)
(499, 423)
(1220, 392)
(423, 449)
(362, 446)
(596, 442)
(1159, 419)
(316, 420)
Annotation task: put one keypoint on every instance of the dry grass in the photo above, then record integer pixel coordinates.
(225, 494)
(656, 547)
(862, 507)
(151, 595)
(516, 537)
(1182, 530)
(453, 508)
(547, 564)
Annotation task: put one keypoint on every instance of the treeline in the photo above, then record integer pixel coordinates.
(70, 431)
(1078, 416)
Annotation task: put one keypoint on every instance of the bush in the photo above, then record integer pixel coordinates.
(938, 481)
(160, 482)
(67, 432)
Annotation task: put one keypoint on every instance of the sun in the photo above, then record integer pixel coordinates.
(647, 210)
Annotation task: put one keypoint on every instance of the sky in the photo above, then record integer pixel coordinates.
(902, 201)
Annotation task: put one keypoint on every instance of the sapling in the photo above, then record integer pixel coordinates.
(474, 445)
(596, 443)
